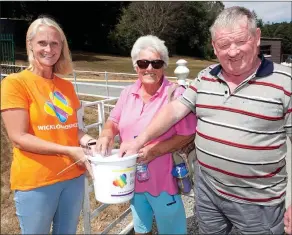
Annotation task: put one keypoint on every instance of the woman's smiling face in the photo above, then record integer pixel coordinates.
(46, 46)
(149, 76)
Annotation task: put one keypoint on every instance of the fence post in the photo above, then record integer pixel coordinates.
(106, 82)
(101, 117)
(182, 72)
(107, 89)
(80, 118)
(75, 80)
(86, 209)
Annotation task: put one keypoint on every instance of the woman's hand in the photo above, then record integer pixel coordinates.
(146, 154)
(104, 145)
(78, 155)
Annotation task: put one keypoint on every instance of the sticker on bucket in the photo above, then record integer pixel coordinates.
(114, 177)
(123, 182)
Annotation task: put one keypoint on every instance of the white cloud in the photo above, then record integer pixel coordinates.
(267, 11)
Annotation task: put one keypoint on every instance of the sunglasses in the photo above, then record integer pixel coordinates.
(156, 64)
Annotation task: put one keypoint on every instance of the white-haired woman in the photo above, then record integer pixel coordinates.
(39, 112)
(157, 193)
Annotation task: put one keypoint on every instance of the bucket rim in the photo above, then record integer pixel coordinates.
(108, 159)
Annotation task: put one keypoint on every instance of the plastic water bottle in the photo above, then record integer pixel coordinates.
(142, 172)
(184, 181)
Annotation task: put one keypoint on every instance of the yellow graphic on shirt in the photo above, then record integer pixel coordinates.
(58, 106)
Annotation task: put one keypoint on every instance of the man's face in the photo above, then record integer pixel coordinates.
(236, 48)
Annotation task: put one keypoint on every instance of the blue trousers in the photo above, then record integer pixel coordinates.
(59, 203)
(168, 210)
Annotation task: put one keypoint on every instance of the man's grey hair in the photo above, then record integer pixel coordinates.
(230, 17)
(151, 43)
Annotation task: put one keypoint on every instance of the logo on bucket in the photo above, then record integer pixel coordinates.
(120, 181)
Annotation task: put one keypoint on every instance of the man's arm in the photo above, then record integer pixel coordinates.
(166, 118)
(156, 149)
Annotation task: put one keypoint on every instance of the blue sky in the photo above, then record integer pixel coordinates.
(272, 11)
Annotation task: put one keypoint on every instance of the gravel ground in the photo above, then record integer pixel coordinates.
(189, 203)
(192, 224)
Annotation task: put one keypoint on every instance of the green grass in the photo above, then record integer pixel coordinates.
(119, 64)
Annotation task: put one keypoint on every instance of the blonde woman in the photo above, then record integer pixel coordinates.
(39, 112)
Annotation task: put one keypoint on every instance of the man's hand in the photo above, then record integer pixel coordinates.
(288, 220)
(129, 148)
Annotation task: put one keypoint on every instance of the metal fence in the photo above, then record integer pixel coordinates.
(7, 53)
(88, 216)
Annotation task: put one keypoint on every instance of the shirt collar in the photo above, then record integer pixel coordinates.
(137, 85)
(266, 68)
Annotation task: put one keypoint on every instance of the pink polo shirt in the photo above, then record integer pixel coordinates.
(132, 116)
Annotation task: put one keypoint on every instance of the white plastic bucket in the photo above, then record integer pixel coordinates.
(114, 177)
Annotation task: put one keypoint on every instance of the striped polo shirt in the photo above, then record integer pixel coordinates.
(241, 136)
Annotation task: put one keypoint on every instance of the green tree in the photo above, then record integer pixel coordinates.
(183, 25)
(143, 18)
(277, 30)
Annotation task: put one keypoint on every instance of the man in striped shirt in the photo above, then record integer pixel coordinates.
(244, 111)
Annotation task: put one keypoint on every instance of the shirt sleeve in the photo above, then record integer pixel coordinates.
(116, 112)
(288, 111)
(13, 93)
(187, 125)
(189, 96)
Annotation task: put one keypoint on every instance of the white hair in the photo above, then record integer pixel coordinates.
(229, 18)
(152, 43)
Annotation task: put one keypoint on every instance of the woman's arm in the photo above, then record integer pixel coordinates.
(105, 141)
(153, 150)
(16, 123)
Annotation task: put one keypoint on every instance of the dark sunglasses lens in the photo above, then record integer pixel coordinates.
(143, 64)
(157, 64)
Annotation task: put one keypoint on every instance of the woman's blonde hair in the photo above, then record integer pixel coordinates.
(64, 65)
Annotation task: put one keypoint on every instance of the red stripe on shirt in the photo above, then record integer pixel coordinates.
(252, 199)
(242, 146)
(193, 88)
(239, 111)
(242, 176)
(288, 111)
(209, 79)
(271, 85)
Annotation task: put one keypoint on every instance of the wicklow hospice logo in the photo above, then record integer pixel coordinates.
(120, 181)
(58, 106)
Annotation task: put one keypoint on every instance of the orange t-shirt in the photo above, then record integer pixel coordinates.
(52, 106)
